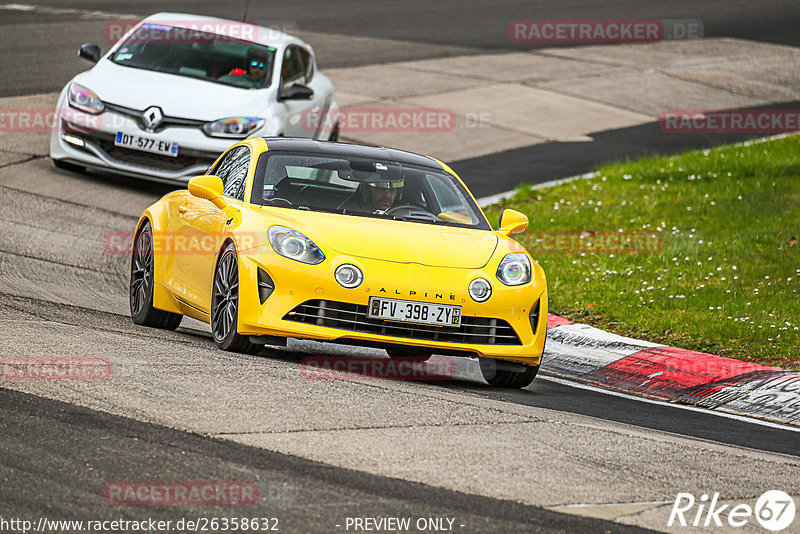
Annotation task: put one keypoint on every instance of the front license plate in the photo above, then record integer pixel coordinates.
(409, 311)
(146, 144)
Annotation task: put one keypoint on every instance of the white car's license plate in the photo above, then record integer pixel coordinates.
(414, 312)
(146, 144)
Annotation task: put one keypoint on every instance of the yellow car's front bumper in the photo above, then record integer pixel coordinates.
(307, 302)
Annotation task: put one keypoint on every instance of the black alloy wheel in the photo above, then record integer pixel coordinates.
(142, 283)
(225, 304)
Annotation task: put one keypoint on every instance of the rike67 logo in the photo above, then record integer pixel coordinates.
(774, 510)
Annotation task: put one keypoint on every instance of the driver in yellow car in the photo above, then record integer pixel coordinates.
(375, 196)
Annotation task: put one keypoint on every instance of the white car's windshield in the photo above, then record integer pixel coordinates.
(365, 188)
(196, 54)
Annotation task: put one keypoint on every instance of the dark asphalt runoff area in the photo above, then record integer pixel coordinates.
(56, 459)
(697, 424)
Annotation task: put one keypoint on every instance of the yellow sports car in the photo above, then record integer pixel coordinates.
(343, 243)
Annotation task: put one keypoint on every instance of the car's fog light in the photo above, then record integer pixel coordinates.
(348, 276)
(480, 290)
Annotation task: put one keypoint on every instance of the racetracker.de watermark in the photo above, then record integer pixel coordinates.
(596, 242)
(603, 31)
(372, 120)
(45, 120)
(177, 243)
(54, 368)
(730, 121)
(178, 31)
(180, 493)
(343, 368)
(17, 120)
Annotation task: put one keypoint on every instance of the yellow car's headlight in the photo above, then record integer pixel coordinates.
(480, 290)
(514, 270)
(294, 245)
(348, 276)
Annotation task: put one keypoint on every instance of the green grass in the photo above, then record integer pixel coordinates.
(727, 276)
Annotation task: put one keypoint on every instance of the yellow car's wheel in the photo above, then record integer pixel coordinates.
(141, 285)
(503, 374)
(225, 304)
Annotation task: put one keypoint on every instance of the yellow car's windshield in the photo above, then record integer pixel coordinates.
(364, 188)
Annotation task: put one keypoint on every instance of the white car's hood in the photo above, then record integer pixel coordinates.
(177, 96)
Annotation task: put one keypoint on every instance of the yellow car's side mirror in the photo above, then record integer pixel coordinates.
(512, 222)
(208, 187)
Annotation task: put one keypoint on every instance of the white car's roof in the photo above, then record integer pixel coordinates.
(230, 28)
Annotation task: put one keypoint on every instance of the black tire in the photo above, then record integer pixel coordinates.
(504, 374)
(409, 354)
(140, 286)
(225, 304)
(67, 166)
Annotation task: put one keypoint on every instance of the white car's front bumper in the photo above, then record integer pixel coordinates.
(88, 140)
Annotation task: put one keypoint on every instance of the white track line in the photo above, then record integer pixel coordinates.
(743, 418)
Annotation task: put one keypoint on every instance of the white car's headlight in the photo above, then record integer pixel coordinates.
(514, 270)
(84, 99)
(233, 127)
(294, 245)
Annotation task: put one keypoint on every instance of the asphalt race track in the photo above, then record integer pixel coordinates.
(553, 458)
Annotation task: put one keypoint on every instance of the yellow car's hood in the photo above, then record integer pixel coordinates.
(399, 241)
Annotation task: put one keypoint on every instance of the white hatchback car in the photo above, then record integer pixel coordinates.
(177, 90)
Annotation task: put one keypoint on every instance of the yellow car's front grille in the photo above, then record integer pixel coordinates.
(353, 317)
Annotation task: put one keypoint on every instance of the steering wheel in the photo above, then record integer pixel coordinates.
(412, 211)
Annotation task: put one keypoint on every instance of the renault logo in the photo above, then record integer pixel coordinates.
(152, 117)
